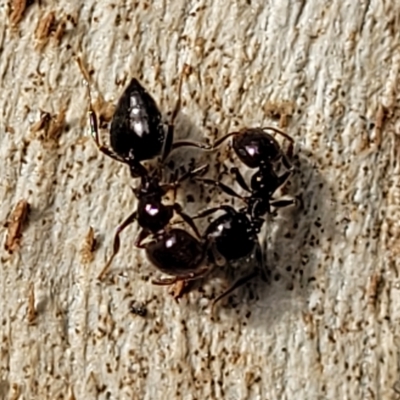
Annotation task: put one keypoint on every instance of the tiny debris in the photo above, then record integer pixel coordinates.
(60, 30)
(10, 129)
(32, 313)
(281, 111)
(43, 122)
(50, 127)
(15, 224)
(103, 110)
(83, 70)
(18, 9)
(89, 247)
(15, 392)
(180, 288)
(375, 284)
(51, 27)
(45, 26)
(138, 309)
(380, 118)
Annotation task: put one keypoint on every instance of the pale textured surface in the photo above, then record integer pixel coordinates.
(328, 326)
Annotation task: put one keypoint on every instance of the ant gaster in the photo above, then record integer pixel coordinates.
(137, 132)
(258, 149)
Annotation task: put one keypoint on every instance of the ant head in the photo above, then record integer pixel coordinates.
(255, 147)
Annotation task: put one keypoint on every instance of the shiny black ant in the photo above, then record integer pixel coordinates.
(229, 239)
(152, 215)
(137, 132)
(258, 149)
(232, 239)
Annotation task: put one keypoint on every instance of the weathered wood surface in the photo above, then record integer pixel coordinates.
(327, 327)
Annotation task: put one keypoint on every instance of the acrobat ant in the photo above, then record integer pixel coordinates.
(137, 132)
(258, 149)
(228, 240)
(152, 215)
(232, 239)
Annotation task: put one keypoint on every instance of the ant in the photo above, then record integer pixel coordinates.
(229, 239)
(152, 215)
(258, 149)
(233, 239)
(137, 132)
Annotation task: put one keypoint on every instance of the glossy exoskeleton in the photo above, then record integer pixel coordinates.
(177, 253)
(232, 239)
(137, 131)
(152, 215)
(258, 149)
(229, 239)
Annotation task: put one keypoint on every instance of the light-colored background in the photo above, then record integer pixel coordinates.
(327, 327)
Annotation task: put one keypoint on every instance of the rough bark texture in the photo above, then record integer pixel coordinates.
(327, 326)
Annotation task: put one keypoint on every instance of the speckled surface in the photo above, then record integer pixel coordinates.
(327, 327)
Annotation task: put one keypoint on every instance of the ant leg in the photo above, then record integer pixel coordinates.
(226, 189)
(280, 180)
(281, 203)
(187, 175)
(165, 281)
(285, 159)
(240, 180)
(210, 211)
(279, 132)
(190, 143)
(240, 282)
(264, 271)
(189, 277)
(221, 140)
(94, 132)
(189, 220)
(169, 144)
(94, 126)
(117, 243)
(171, 125)
(291, 143)
(143, 234)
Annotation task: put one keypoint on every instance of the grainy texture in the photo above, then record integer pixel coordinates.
(327, 327)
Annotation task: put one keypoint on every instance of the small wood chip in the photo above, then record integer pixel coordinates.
(15, 224)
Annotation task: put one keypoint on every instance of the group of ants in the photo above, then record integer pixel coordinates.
(137, 134)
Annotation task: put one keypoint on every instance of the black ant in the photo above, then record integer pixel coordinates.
(152, 214)
(232, 239)
(258, 149)
(137, 132)
(229, 239)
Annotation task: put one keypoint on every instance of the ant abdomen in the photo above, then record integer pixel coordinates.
(176, 252)
(255, 147)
